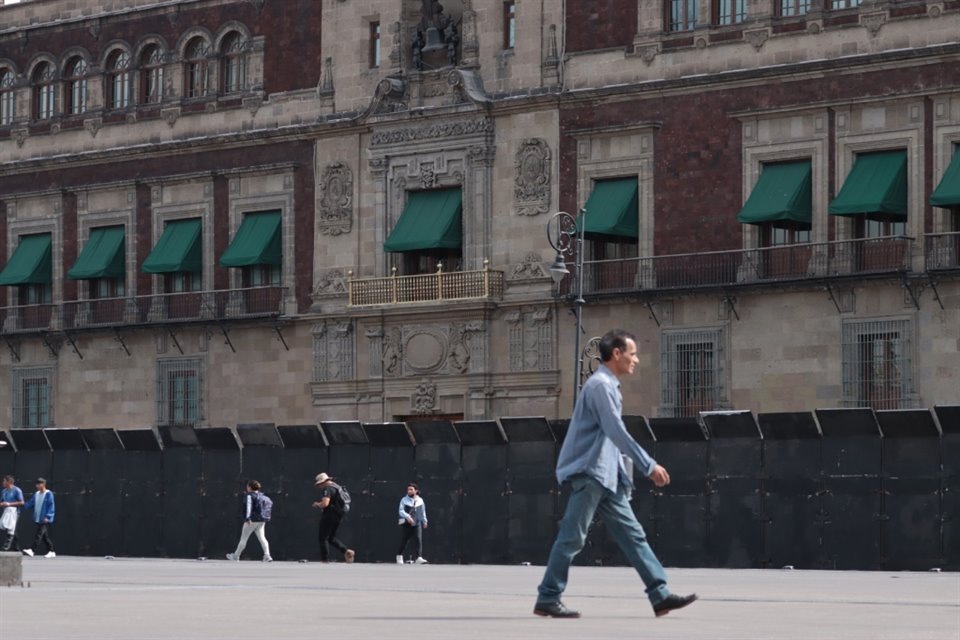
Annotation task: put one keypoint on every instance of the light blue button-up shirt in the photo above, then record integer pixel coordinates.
(597, 435)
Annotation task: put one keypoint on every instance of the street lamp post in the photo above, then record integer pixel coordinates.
(566, 237)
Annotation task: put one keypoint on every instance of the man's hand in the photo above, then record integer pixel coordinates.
(410, 521)
(46, 521)
(316, 505)
(424, 525)
(659, 476)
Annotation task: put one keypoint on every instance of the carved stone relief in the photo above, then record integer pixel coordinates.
(331, 283)
(427, 132)
(413, 350)
(531, 339)
(336, 200)
(531, 183)
(531, 268)
(424, 399)
(333, 353)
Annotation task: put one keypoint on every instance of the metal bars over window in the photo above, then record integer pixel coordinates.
(179, 391)
(878, 364)
(691, 372)
(32, 396)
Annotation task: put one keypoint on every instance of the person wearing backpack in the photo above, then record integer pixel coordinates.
(334, 503)
(257, 511)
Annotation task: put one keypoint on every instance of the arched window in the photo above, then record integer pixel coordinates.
(118, 80)
(76, 85)
(44, 91)
(195, 68)
(234, 63)
(7, 80)
(151, 75)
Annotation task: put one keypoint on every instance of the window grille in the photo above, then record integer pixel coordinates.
(179, 391)
(878, 364)
(32, 396)
(691, 372)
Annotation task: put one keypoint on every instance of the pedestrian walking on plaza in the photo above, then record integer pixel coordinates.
(44, 510)
(334, 503)
(11, 499)
(591, 464)
(413, 520)
(257, 511)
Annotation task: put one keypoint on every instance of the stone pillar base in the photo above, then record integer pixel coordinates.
(11, 568)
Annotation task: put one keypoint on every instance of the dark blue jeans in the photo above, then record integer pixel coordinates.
(589, 497)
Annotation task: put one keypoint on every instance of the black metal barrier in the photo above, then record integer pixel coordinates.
(838, 488)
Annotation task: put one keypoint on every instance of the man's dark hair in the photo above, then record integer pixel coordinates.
(253, 484)
(8, 478)
(614, 339)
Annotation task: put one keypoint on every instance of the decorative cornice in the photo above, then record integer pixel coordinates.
(461, 128)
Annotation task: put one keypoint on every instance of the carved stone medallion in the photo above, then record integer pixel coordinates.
(532, 177)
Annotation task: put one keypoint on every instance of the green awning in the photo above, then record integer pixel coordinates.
(179, 249)
(876, 184)
(257, 241)
(947, 193)
(431, 220)
(102, 256)
(612, 208)
(783, 193)
(31, 262)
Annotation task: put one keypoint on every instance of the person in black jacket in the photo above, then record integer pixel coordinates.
(332, 510)
(253, 522)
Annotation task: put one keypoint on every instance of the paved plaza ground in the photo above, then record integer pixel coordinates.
(72, 598)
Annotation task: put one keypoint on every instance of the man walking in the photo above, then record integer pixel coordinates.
(333, 507)
(591, 463)
(44, 510)
(413, 520)
(11, 499)
(256, 515)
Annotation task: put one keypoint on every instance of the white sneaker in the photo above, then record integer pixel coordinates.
(399, 559)
(50, 554)
(231, 556)
(28, 552)
(267, 559)
(420, 561)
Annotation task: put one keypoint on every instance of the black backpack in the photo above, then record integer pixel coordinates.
(343, 499)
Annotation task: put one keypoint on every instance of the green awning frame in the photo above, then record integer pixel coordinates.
(877, 184)
(783, 193)
(178, 250)
(31, 262)
(947, 193)
(102, 257)
(257, 241)
(431, 220)
(613, 208)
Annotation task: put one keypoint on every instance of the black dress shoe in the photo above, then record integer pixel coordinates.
(671, 602)
(555, 610)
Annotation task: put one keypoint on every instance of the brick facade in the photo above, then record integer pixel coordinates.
(600, 25)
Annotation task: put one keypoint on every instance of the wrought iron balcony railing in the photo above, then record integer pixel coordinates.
(200, 306)
(718, 269)
(431, 287)
(942, 251)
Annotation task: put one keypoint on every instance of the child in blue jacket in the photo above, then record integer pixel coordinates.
(44, 510)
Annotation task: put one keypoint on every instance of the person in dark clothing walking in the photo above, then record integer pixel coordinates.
(413, 520)
(332, 510)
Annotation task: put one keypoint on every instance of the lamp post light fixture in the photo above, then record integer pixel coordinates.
(565, 235)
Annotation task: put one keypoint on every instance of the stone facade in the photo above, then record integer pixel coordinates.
(315, 130)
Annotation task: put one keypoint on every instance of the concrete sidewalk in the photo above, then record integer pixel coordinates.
(132, 599)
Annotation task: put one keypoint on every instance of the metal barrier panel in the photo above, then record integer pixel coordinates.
(141, 528)
(852, 490)
(182, 491)
(531, 489)
(734, 465)
(681, 514)
(791, 489)
(350, 466)
(261, 459)
(69, 472)
(949, 419)
(437, 470)
(304, 456)
(105, 491)
(484, 503)
(391, 468)
(222, 498)
(911, 489)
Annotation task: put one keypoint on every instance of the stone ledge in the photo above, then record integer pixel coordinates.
(11, 568)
